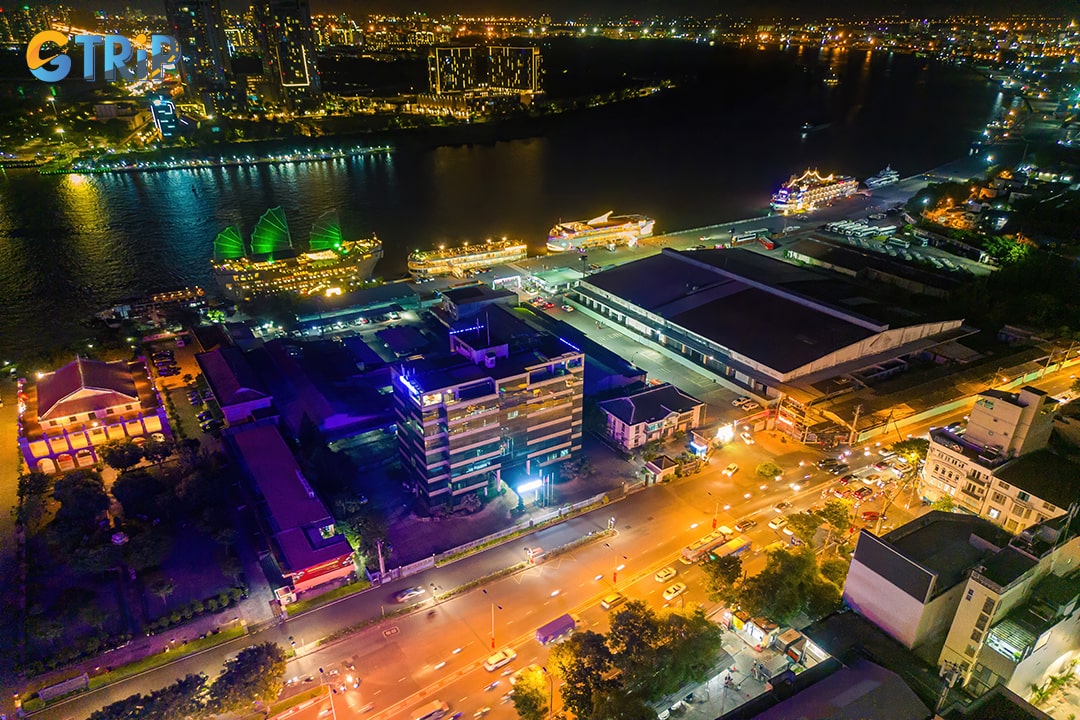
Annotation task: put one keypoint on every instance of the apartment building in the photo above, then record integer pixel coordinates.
(998, 466)
(502, 404)
(1019, 620)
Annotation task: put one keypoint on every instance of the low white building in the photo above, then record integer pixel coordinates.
(654, 413)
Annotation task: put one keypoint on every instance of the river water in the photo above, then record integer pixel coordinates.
(705, 152)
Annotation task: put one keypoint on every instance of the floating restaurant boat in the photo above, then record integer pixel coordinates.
(271, 264)
(811, 190)
(461, 260)
(607, 229)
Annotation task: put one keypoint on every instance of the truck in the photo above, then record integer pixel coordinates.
(432, 711)
(557, 629)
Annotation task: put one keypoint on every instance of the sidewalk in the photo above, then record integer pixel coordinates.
(414, 538)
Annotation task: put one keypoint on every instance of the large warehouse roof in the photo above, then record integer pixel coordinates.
(771, 313)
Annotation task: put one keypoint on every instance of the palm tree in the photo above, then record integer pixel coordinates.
(163, 588)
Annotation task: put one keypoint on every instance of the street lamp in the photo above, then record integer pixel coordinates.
(493, 606)
(615, 575)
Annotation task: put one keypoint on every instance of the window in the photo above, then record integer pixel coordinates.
(982, 621)
(1023, 496)
(110, 411)
(1004, 485)
(72, 419)
(970, 592)
(999, 498)
(1048, 505)
(976, 635)
(988, 606)
(970, 652)
(994, 513)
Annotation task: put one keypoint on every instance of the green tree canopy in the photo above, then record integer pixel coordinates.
(912, 450)
(82, 499)
(143, 494)
(788, 586)
(582, 662)
(530, 696)
(633, 637)
(805, 525)
(769, 470)
(256, 674)
(121, 456)
(722, 574)
(179, 701)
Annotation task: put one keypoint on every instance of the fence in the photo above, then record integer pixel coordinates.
(81, 682)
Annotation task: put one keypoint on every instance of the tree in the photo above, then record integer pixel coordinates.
(147, 548)
(181, 700)
(256, 674)
(163, 587)
(226, 537)
(805, 525)
(913, 450)
(690, 643)
(530, 696)
(837, 515)
(769, 470)
(944, 503)
(157, 451)
(788, 586)
(94, 559)
(722, 574)
(1076, 385)
(121, 456)
(142, 494)
(581, 662)
(619, 704)
(835, 570)
(82, 499)
(632, 640)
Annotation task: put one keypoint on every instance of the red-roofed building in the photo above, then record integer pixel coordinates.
(84, 404)
(304, 542)
(236, 387)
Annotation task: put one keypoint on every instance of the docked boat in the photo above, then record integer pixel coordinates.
(461, 260)
(888, 176)
(270, 263)
(606, 230)
(811, 190)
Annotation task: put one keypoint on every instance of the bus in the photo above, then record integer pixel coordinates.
(432, 711)
(749, 236)
(696, 550)
(735, 546)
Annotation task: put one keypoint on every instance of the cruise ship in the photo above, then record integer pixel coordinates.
(461, 260)
(811, 190)
(270, 263)
(607, 229)
(888, 176)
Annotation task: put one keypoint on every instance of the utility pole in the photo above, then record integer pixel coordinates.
(949, 675)
(382, 561)
(855, 425)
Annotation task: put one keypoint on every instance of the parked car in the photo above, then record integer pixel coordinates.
(846, 480)
(731, 469)
(747, 438)
(740, 401)
(777, 522)
(863, 493)
(751, 406)
(204, 416)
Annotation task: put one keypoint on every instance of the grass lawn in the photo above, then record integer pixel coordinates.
(302, 606)
(158, 659)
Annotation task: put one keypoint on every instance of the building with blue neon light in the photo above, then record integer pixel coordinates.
(504, 402)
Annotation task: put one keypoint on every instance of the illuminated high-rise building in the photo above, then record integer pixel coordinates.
(288, 53)
(496, 68)
(165, 118)
(205, 65)
(513, 69)
(20, 23)
(452, 69)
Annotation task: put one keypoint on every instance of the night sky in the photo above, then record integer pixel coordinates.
(567, 9)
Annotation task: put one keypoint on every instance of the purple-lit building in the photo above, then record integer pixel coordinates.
(69, 412)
